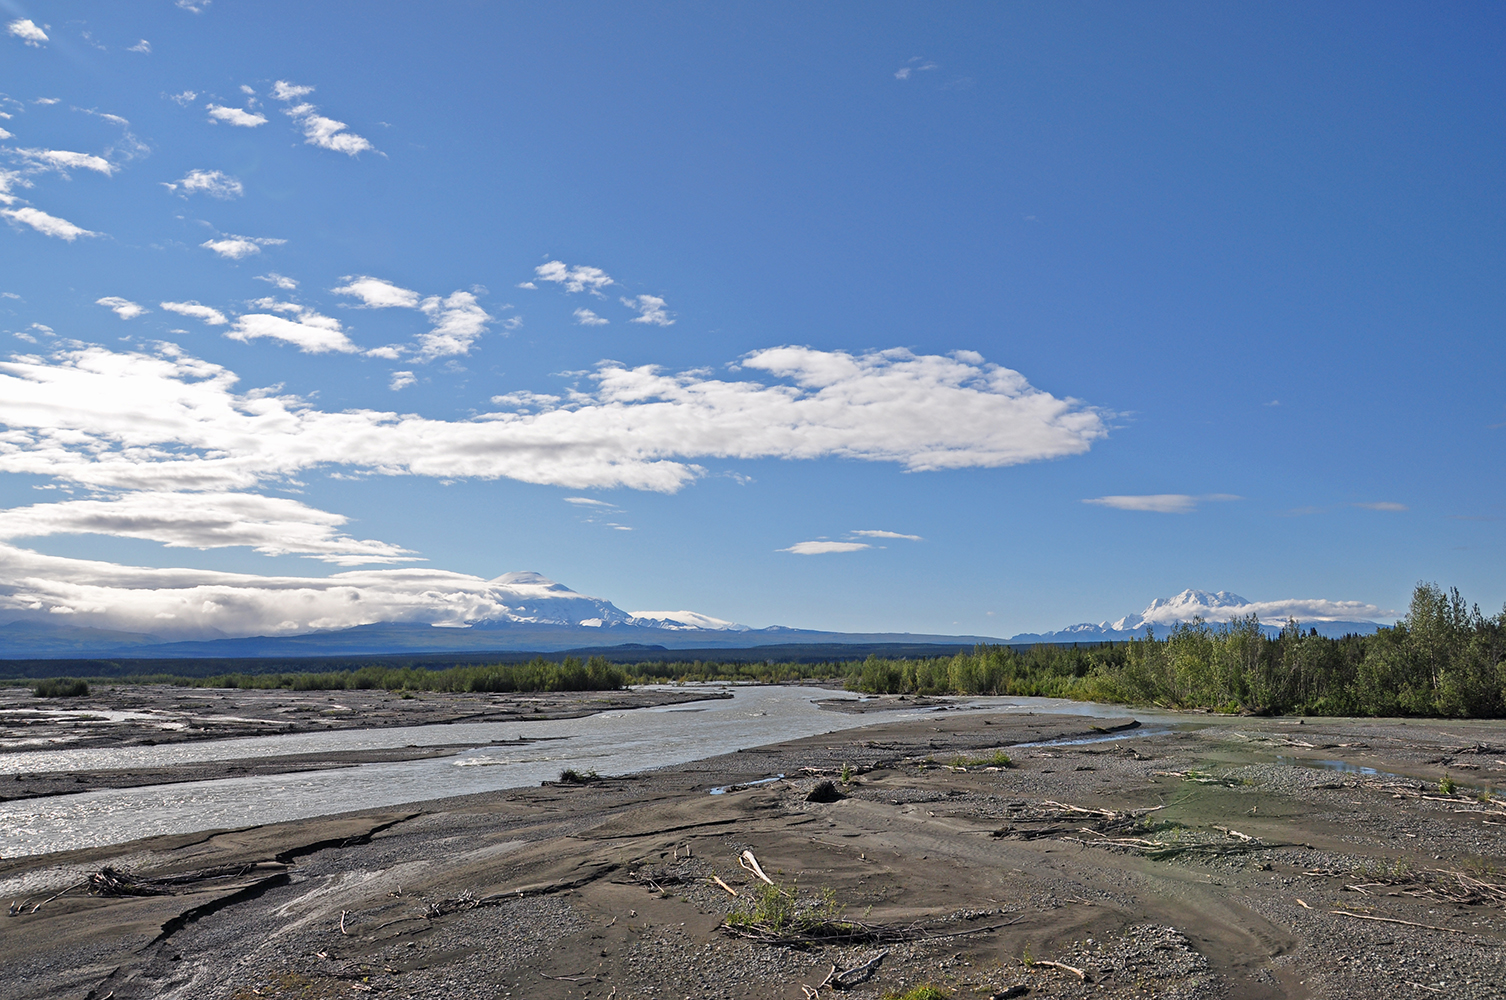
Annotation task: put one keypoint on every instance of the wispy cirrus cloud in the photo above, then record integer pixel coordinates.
(234, 247)
(143, 46)
(823, 548)
(47, 225)
(196, 310)
(63, 160)
(214, 183)
(1161, 503)
(915, 64)
(269, 525)
(574, 279)
(887, 534)
(235, 116)
(278, 280)
(1383, 505)
(27, 30)
(318, 130)
(128, 420)
(124, 308)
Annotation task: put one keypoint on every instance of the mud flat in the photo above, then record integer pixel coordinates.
(1241, 859)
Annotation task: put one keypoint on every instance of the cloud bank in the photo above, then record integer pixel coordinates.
(269, 525)
(131, 420)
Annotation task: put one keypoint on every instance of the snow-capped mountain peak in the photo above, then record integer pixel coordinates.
(684, 620)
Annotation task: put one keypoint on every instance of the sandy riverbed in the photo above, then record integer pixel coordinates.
(605, 890)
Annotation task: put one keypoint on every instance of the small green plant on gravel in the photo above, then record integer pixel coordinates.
(926, 992)
(1026, 958)
(571, 776)
(1484, 797)
(773, 910)
(846, 774)
(60, 687)
(1446, 785)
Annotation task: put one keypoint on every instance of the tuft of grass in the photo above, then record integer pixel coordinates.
(846, 774)
(926, 992)
(772, 909)
(1446, 785)
(60, 687)
(999, 759)
(571, 776)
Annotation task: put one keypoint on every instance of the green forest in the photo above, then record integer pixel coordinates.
(1444, 659)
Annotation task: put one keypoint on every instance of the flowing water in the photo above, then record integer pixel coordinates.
(611, 743)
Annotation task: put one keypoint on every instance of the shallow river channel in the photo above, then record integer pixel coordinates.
(611, 743)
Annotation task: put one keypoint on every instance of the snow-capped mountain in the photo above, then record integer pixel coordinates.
(1335, 618)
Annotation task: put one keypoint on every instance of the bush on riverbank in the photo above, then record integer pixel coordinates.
(60, 687)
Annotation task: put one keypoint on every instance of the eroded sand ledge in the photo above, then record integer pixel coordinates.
(604, 890)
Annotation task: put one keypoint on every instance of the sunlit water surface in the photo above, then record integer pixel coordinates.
(611, 743)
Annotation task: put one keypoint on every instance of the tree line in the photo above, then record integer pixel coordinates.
(1445, 659)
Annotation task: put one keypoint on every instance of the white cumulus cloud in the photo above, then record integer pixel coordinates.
(211, 182)
(886, 534)
(458, 323)
(278, 280)
(376, 293)
(575, 279)
(142, 46)
(124, 308)
(401, 380)
(311, 332)
(238, 247)
(47, 225)
(26, 30)
(210, 315)
(318, 130)
(235, 116)
(651, 310)
(586, 317)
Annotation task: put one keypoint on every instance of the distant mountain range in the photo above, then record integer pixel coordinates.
(1216, 608)
(545, 616)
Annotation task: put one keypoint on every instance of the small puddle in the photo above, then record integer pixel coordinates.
(724, 789)
(1342, 766)
(1078, 741)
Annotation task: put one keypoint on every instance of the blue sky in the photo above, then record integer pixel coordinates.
(1097, 302)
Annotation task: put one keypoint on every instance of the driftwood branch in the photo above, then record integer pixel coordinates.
(1405, 923)
(1079, 973)
(748, 862)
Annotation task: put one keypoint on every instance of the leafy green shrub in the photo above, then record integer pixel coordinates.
(571, 776)
(60, 687)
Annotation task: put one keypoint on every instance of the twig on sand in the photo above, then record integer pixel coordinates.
(1079, 973)
(731, 891)
(1405, 923)
(343, 931)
